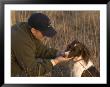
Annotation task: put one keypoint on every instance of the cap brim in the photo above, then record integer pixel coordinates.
(50, 32)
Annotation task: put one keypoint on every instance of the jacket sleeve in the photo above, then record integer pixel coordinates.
(24, 51)
(45, 52)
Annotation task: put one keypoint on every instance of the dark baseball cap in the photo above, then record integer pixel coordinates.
(42, 23)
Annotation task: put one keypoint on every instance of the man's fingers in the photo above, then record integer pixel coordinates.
(68, 58)
(71, 57)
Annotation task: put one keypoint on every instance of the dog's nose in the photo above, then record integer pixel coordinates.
(67, 53)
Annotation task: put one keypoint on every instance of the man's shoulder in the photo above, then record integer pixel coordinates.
(20, 35)
(19, 30)
(19, 25)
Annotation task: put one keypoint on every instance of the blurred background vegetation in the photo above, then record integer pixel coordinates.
(70, 25)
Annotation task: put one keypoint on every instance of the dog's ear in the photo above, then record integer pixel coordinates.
(85, 53)
(72, 45)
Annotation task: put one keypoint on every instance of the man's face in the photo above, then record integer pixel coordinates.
(37, 34)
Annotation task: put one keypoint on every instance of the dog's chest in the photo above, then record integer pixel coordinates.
(79, 67)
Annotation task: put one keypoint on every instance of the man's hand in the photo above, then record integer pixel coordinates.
(62, 53)
(60, 59)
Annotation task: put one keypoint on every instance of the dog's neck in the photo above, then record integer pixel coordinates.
(79, 67)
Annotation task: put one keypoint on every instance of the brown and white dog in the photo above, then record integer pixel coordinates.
(83, 66)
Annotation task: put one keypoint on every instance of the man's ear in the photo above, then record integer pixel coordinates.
(34, 31)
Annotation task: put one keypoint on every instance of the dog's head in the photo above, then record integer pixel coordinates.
(77, 49)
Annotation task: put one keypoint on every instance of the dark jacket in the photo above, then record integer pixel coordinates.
(91, 72)
(29, 57)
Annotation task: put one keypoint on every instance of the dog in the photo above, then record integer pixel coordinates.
(83, 66)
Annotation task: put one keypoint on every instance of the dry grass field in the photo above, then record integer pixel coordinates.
(70, 25)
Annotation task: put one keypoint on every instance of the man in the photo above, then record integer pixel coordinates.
(29, 56)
